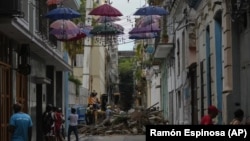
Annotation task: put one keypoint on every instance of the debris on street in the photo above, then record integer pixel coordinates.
(132, 122)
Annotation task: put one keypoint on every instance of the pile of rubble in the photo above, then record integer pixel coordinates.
(133, 122)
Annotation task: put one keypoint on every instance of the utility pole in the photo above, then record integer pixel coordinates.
(87, 51)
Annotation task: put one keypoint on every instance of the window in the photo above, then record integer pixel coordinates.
(178, 57)
(78, 60)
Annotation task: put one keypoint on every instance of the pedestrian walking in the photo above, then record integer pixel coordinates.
(73, 119)
(47, 123)
(238, 117)
(212, 113)
(58, 116)
(20, 124)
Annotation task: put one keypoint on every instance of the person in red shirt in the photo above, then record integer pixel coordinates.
(59, 119)
(212, 113)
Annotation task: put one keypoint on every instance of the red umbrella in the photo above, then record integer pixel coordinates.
(105, 10)
(78, 36)
(53, 2)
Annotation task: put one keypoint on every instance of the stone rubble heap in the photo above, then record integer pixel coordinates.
(131, 123)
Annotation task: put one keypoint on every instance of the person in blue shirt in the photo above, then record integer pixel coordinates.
(20, 125)
(108, 114)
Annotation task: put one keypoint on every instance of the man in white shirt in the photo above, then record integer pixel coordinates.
(73, 122)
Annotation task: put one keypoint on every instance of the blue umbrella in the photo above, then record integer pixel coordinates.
(151, 10)
(62, 13)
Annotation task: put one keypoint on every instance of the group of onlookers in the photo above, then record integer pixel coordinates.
(53, 124)
(20, 125)
(53, 127)
(213, 112)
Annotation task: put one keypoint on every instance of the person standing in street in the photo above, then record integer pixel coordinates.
(212, 113)
(73, 119)
(58, 116)
(20, 125)
(47, 122)
(238, 117)
(108, 114)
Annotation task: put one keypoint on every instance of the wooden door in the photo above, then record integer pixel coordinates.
(22, 90)
(5, 100)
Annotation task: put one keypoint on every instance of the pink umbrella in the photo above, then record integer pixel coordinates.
(64, 37)
(63, 24)
(105, 10)
(64, 29)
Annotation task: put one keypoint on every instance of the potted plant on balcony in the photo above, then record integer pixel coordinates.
(164, 38)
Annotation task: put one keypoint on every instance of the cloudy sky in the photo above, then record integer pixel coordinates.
(127, 20)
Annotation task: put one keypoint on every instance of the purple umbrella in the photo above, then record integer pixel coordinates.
(151, 10)
(139, 36)
(149, 28)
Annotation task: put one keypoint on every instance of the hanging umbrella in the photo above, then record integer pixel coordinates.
(139, 36)
(64, 37)
(151, 10)
(78, 36)
(104, 19)
(105, 10)
(146, 20)
(107, 29)
(62, 13)
(86, 30)
(149, 28)
(64, 29)
(53, 2)
(64, 24)
(71, 37)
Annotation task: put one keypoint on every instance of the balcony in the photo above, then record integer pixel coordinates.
(10, 8)
(74, 4)
(162, 50)
(193, 3)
